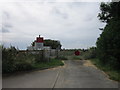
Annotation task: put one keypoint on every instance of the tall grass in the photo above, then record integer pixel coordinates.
(113, 73)
(84, 54)
(13, 61)
(52, 63)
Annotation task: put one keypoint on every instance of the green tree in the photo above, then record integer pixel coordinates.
(108, 44)
(54, 44)
(109, 11)
(33, 43)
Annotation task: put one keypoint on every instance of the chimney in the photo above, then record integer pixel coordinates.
(39, 36)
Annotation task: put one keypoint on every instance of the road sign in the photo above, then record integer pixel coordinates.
(77, 53)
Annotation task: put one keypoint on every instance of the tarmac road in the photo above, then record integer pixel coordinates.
(73, 75)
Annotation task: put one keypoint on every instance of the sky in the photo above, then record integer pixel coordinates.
(73, 22)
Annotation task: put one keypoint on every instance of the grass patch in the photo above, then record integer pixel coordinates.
(113, 74)
(52, 63)
(62, 58)
(76, 58)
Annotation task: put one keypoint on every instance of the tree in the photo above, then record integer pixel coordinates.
(108, 44)
(33, 43)
(54, 44)
(109, 11)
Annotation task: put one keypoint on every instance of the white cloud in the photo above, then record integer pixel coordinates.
(68, 22)
(45, 1)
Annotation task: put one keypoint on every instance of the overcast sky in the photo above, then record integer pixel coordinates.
(74, 23)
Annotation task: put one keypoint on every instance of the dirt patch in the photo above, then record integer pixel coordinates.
(88, 63)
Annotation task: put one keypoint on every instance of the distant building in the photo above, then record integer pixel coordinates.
(38, 44)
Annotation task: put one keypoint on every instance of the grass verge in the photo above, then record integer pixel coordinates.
(38, 66)
(113, 74)
(52, 63)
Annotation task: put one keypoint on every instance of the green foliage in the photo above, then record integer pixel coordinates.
(76, 57)
(8, 59)
(105, 16)
(66, 52)
(13, 61)
(39, 57)
(52, 63)
(84, 54)
(24, 61)
(109, 11)
(88, 54)
(62, 58)
(113, 74)
(108, 44)
(33, 43)
(54, 44)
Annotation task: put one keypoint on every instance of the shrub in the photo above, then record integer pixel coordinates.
(8, 61)
(13, 61)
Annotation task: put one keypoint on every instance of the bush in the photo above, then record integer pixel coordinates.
(13, 61)
(24, 61)
(8, 61)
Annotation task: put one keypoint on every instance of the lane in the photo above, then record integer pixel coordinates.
(76, 75)
(36, 79)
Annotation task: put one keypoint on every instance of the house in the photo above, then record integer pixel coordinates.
(38, 44)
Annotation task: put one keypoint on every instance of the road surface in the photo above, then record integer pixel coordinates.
(75, 74)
